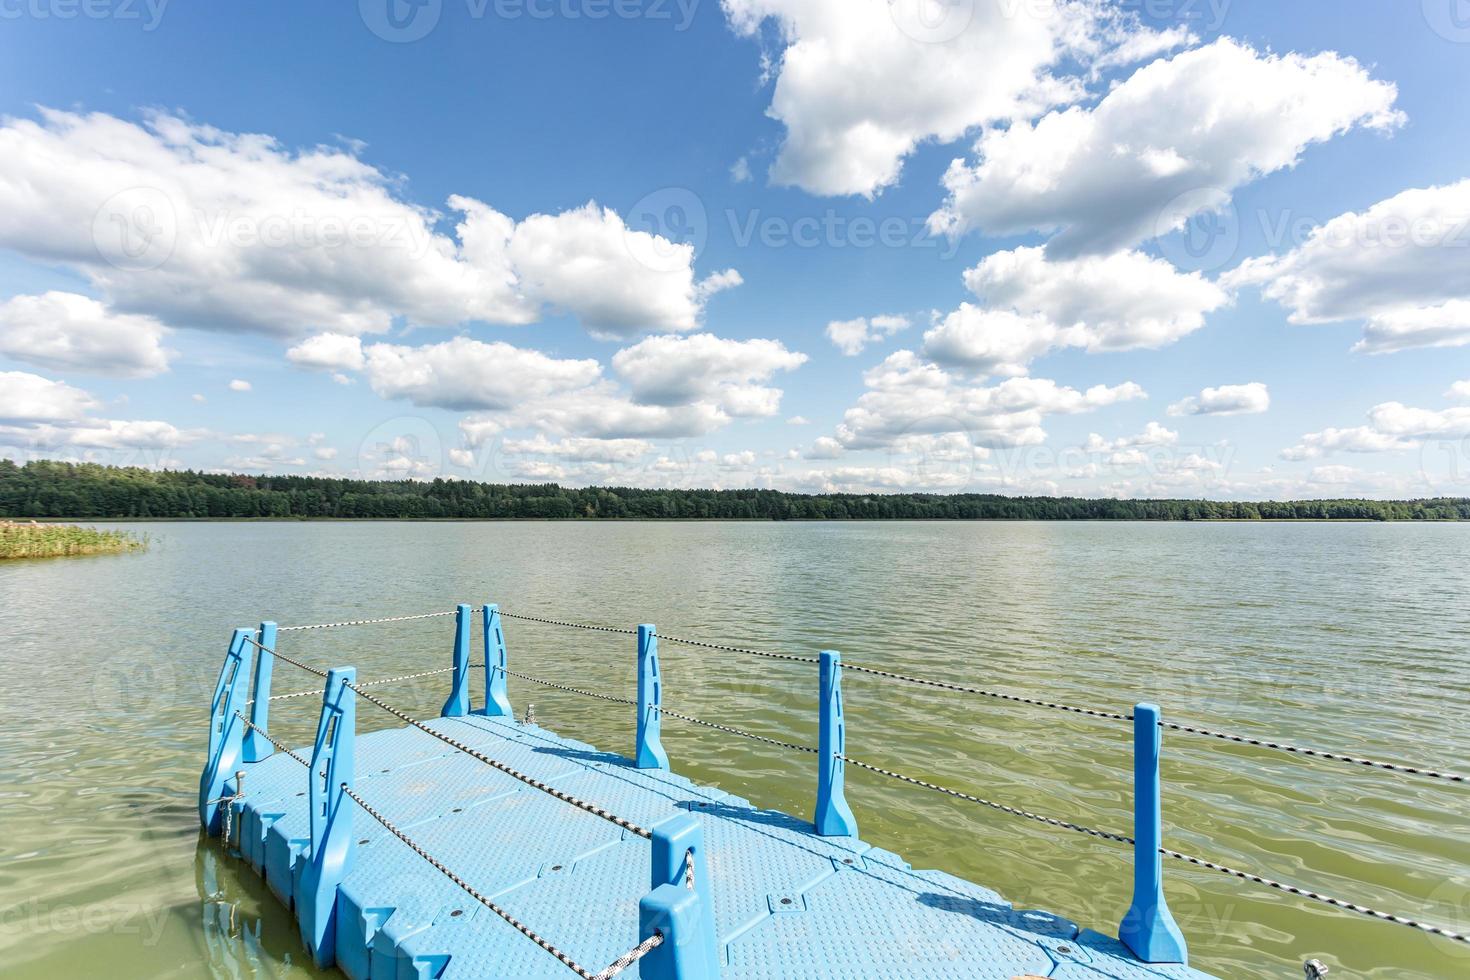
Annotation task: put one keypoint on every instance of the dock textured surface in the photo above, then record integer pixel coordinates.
(788, 903)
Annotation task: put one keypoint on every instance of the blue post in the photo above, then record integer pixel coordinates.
(330, 857)
(226, 731)
(684, 916)
(649, 753)
(257, 746)
(833, 817)
(497, 661)
(1149, 929)
(458, 704)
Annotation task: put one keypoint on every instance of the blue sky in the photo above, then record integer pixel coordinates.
(1162, 248)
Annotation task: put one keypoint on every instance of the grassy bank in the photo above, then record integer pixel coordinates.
(31, 540)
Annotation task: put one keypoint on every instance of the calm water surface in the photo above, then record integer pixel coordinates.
(1351, 637)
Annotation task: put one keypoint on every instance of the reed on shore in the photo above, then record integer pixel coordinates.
(31, 540)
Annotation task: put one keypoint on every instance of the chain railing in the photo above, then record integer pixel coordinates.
(831, 750)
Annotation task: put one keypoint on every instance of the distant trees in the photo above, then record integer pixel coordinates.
(87, 490)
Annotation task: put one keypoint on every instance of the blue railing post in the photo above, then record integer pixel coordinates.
(257, 746)
(649, 753)
(1149, 929)
(330, 857)
(497, 661)
(458, 704)
(833, 816)
(684, 916)
(226, 731)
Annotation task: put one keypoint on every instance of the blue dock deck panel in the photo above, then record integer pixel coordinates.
(787, 902)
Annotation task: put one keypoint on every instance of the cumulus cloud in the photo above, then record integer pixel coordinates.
(1153, 434)
(31, 398)
(580, 450)
(240, 385)
(860, 83)
(908, 397)
(66, 331)
(1034, 304)
(204, 228)
(674, 370)
(1391, 426)
(851, 336)
(328, 352)
(1459, 392)
(1246, 399)
(1111, 176)
(465, 374)
(1402, 266)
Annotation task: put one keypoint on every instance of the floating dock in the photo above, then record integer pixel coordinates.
(476, 845)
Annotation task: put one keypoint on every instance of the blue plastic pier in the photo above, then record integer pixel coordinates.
(777, 896)
(787, 902)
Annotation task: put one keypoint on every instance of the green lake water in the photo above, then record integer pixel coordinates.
(1352, 637)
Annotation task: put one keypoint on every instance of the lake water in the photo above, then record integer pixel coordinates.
(1354, 637)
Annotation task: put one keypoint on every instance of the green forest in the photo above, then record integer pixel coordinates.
(45, 489)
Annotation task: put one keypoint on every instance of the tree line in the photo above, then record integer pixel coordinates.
(47, 489)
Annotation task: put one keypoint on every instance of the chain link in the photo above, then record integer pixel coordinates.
(1017, 699)
(1318, 753)
(281, 656)
(617, 966)
(580, 626)
(1177, 855)
(754, 653)
(563, 687)
(532, 781)
(733, 731)
(271, 739)
(366, 622)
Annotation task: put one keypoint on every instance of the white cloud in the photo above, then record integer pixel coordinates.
(740, 171)
(907, 397)
(1391, 426)
(64, 331)
(1403, 266)
(1246, 399)
(198, 398)
(851, 336)
(860, 83)
(462, 457)
(203, 228)
(825, 447)
(32, 398)
(1035, 304)
(580, 450)
(1459, 392)
(324, 453)
(673, 370)
(1153, 434)
(466, 374)
(1177, 137)
(798, 420)
(239, 385)
(328, 352)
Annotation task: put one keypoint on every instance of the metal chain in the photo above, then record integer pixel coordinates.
(1177, 855)
(271, 739)
(281, 656)
(565, 797)
(618, 965)
(386, 680)
(1017, 699)
(1052, 821)
(689, 869)
(366, 622)
(580, 626)
(733, 731)
(563, 687)
(1318, 753)
(753, 653)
